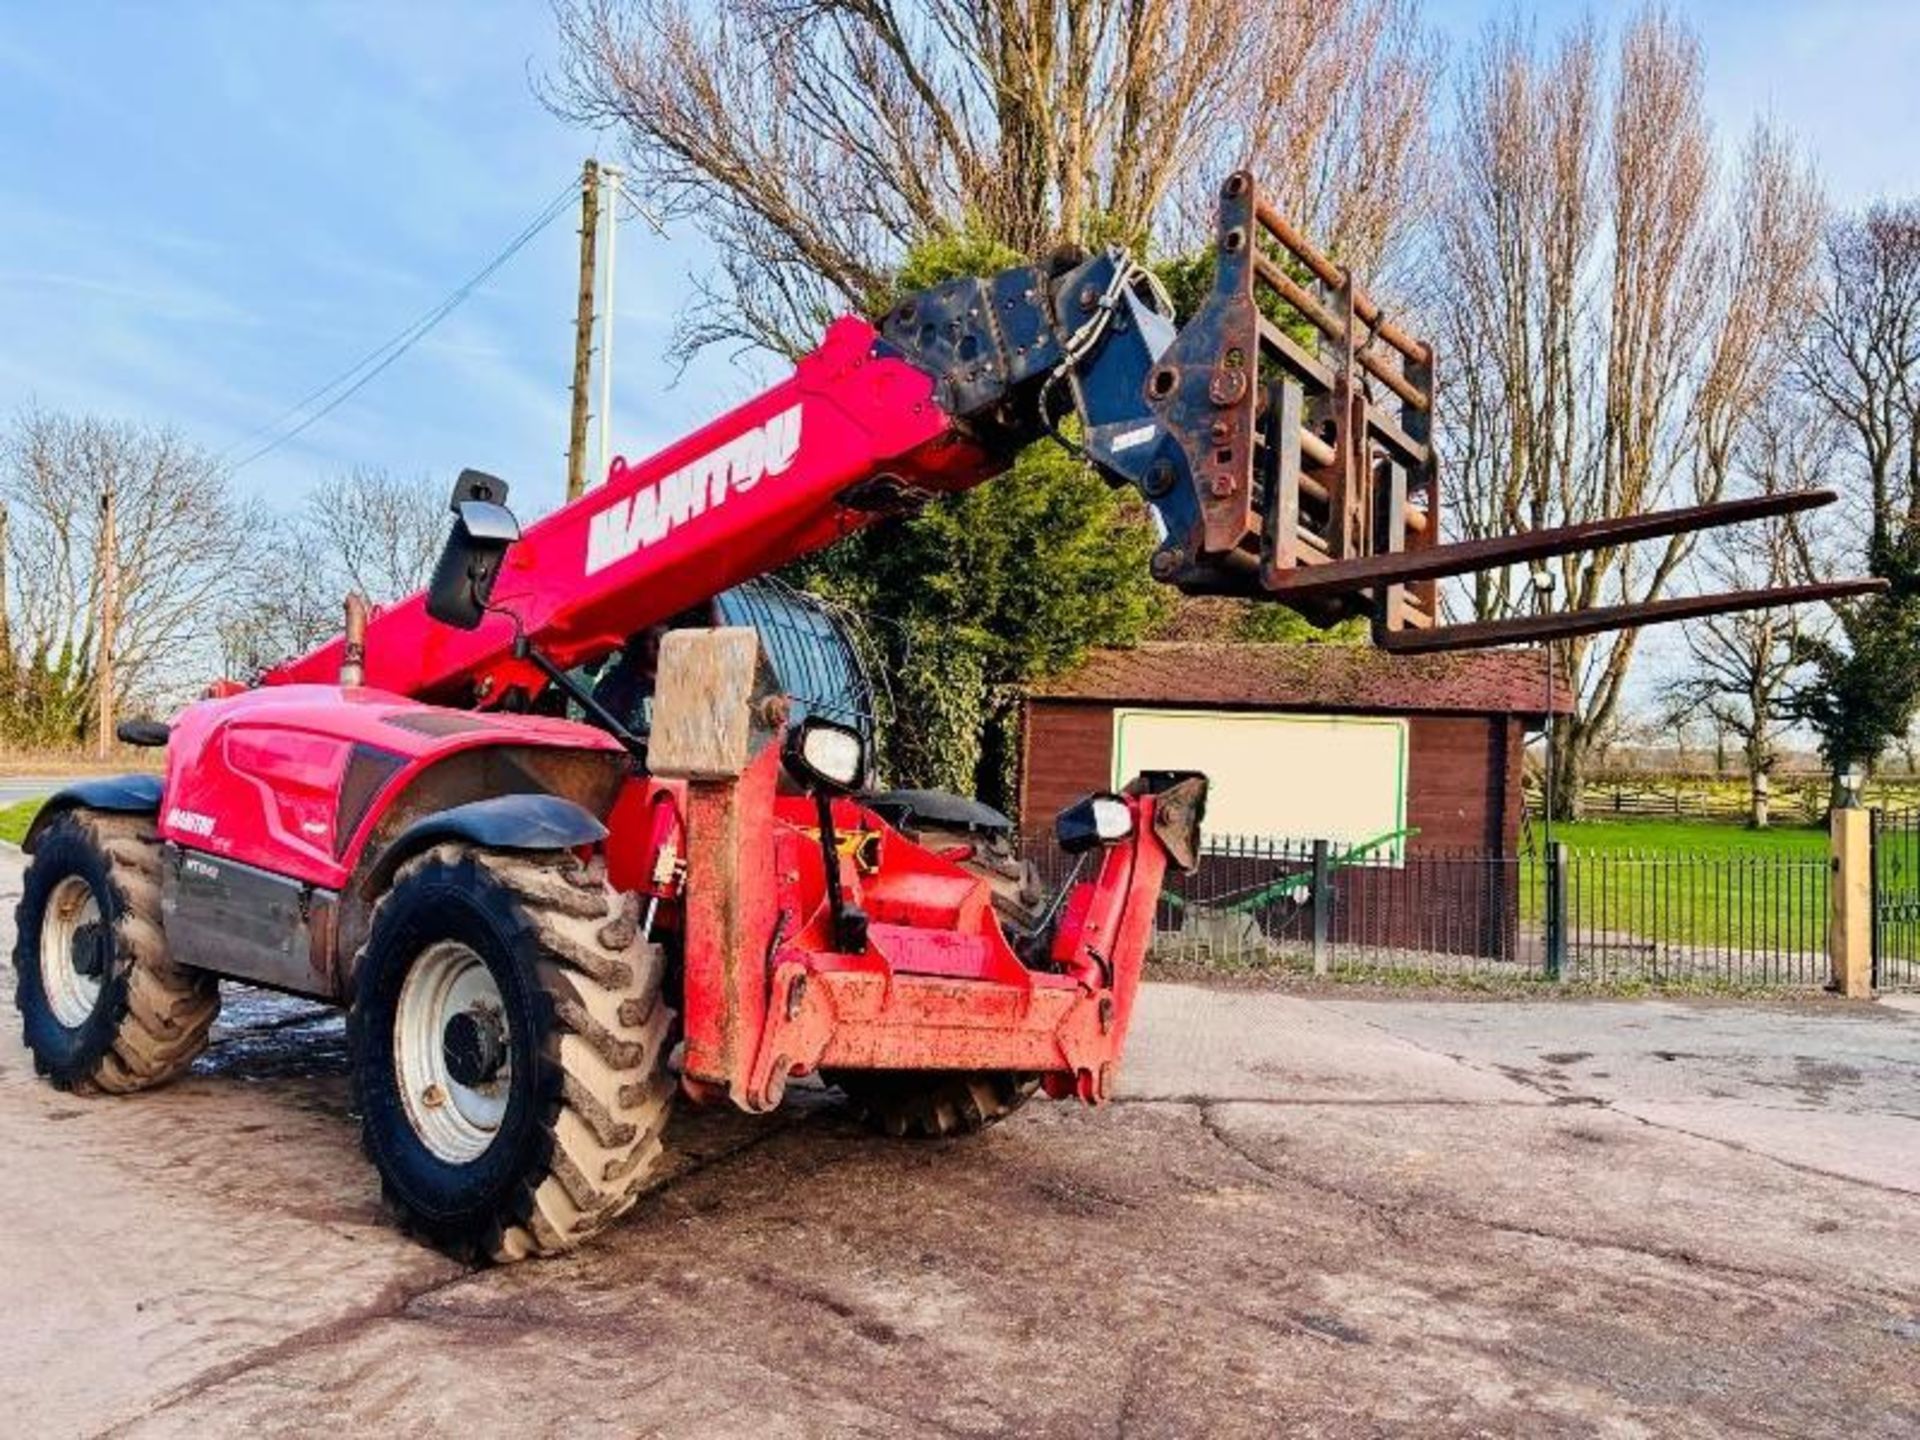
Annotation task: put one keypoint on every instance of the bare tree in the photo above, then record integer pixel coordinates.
(1742, 665)
(1863, 363)
(1616, 313)
(371, 532)
(1864, 359)
(378, 532)
(185, 549)
(812, 140)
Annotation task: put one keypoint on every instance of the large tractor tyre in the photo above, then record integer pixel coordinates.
(102, 1005)
(1018, 896)
(509, 1050)
(932, 1104)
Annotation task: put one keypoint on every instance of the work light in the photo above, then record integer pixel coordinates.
(822, 753)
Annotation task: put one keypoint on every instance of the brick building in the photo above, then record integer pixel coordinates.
(1303, 741)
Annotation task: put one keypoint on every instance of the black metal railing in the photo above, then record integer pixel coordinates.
(1596, 916)
(1896, 899)
(1666, 917)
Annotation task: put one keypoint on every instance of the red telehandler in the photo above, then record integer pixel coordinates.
(545, 929)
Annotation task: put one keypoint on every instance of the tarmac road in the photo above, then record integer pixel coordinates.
(1308, 1215)
(15, 788)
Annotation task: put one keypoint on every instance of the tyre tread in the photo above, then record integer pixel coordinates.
(167, 1009)
(933, 1104)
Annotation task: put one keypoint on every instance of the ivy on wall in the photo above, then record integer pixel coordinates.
(981, 593)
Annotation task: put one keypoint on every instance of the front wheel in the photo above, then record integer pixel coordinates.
(510, 1050)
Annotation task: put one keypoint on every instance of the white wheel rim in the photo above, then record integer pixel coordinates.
(70, 909)
(456, 1121)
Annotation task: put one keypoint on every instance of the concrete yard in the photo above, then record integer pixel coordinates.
(1324, 1216)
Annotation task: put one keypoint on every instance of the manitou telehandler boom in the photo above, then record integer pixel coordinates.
(546, 928)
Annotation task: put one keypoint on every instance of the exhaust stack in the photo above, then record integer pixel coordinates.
(353, 655)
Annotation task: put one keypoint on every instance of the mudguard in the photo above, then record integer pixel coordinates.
(912, 809)
(115, 794)
(503, 822)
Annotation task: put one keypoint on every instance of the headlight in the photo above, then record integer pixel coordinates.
(1096, 820)
(822, 753)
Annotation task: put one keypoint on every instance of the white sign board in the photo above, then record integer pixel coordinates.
(1280, 777)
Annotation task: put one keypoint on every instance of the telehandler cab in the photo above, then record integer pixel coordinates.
(546, 930)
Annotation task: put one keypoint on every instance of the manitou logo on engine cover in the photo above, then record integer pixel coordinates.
(191, 821)
(652, 513)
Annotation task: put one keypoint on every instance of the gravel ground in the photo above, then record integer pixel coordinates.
(1321, 1215)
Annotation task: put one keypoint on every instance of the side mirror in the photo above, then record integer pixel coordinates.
(483, 528)
(1096, 820)
(143, 732)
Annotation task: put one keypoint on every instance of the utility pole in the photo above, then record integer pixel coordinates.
(583, 330)
(612, 174)
(109, 618)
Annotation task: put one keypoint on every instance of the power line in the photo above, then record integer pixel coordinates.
(364, 370)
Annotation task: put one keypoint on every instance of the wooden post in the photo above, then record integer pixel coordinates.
(583, 331)
(109, 621)
(1850, 903)
(717, 719)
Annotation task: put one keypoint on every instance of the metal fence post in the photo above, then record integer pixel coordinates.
(1322, 906)
(1873, 897)
(1556, 909)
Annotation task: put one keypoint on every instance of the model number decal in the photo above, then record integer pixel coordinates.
(628, 526)
(191, 821)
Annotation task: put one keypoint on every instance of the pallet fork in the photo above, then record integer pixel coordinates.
(1308, 475)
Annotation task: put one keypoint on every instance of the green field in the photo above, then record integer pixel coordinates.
(15, 818)
(1699, 884)
(1685, 837)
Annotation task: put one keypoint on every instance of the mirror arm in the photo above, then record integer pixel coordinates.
(849, 921)
(524, 649)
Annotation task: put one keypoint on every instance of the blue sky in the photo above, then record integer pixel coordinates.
(210, 207)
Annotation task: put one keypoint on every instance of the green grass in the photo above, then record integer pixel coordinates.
(15, 818)
(1681, 883)
(1686, 837)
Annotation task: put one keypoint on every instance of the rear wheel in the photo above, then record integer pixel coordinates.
(509, 1051)
(1018, 896)
(103, 1007)
(930, 1104)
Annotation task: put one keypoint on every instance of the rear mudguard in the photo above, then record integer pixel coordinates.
(115, 794)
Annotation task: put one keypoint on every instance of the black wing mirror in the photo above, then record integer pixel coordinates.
(483, 528)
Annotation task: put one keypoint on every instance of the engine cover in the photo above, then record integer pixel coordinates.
(298, 781)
